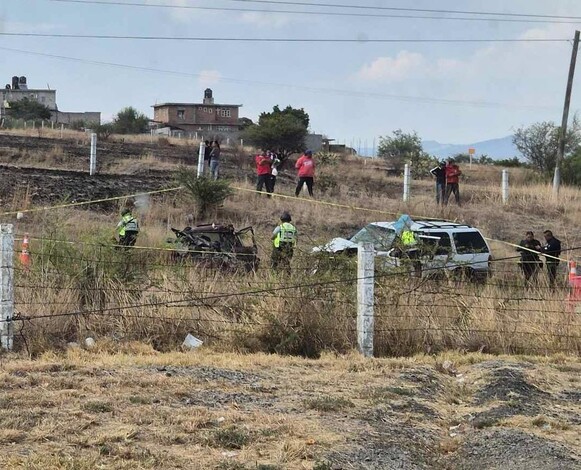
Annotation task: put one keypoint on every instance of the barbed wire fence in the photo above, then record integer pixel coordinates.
(72, 291)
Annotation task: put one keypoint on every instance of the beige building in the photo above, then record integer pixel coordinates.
(18, 90)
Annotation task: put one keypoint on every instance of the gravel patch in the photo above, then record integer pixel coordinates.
(507, 449)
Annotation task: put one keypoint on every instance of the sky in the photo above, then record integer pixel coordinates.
(449, 92)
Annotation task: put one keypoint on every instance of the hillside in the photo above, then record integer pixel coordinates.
(466, 376)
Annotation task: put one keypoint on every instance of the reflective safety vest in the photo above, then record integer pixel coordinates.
(408, 238)
(286, 235)
(128, 224)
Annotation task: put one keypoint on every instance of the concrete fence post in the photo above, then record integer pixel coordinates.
(504, 186)
(93, 157)
(407, 177)
(365, 298)
(241, 142)
(6, 286)
(201, 159)
(62, 130)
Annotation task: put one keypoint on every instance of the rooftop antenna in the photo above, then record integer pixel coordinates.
(48, 86)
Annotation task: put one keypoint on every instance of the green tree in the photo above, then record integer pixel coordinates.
(130, 121)
(244, 122)
(28, 110)
(282, 132)
(300, 114)
(401, 148)
(539, 143)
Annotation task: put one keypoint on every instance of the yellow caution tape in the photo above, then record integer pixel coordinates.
(85, 203)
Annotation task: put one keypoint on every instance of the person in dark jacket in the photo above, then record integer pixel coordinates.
(215, 160)
(440, 173)
(530, 262)
(552, 251)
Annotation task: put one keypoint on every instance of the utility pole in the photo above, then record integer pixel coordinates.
(563, 134)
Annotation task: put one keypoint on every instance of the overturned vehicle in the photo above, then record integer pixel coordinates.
(216, 246)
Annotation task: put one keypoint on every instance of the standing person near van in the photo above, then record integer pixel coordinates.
(552, 250)
(440, 173)
(127, 228)
(530, 262)
(453, 174)
(306, 172)
(207, 151)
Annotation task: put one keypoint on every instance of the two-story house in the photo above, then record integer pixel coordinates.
(207, 119)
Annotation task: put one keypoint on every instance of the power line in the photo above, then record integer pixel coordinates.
(415, 10)
(505, 19)
(332, 91)
(291, 40)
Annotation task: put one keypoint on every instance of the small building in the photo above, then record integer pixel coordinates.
(207, 119)
(18, 90)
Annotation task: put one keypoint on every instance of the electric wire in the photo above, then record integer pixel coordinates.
(413, 14)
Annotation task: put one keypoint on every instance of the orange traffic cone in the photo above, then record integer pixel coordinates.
(572, 270)
(24, 253)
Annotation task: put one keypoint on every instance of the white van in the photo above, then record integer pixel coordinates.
(458, 248)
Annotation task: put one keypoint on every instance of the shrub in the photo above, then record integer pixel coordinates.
(207, 193)
(327, 158)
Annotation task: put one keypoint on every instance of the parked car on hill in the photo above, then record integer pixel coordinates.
(443, 247)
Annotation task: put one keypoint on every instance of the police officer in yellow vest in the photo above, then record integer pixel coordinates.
(284, 240)
(411, 251)
(128, 228)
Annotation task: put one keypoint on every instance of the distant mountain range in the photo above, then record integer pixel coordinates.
(497, 149)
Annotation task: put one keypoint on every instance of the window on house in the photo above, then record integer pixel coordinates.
(181, 113)
(205, 110)
(225, 112)
(210, 110)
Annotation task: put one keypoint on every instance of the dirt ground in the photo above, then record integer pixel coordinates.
(204, 409)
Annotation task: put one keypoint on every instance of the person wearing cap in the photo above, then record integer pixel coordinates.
(284, 239)
(127, 228)
(440, 173)
(306, 172)
(453, 174)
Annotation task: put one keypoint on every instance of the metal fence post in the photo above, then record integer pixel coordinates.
(406, 182)
(504, 186)
(6, 286)
(93, 158)
(201, 159)
(365, 298)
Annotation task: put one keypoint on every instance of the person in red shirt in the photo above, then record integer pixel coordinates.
(452, 179)
(306, 172)
(263, 172)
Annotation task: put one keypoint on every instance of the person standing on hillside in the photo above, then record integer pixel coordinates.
(127, 228)
(453, 174)
(530, 262)
(440, 173)
(207, 151)
(274, 166)
(215, 160)
(284, 239)
(263, 172)
(552, 250)
(306, 172)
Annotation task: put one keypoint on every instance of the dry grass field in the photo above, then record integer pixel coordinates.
(509, 396)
